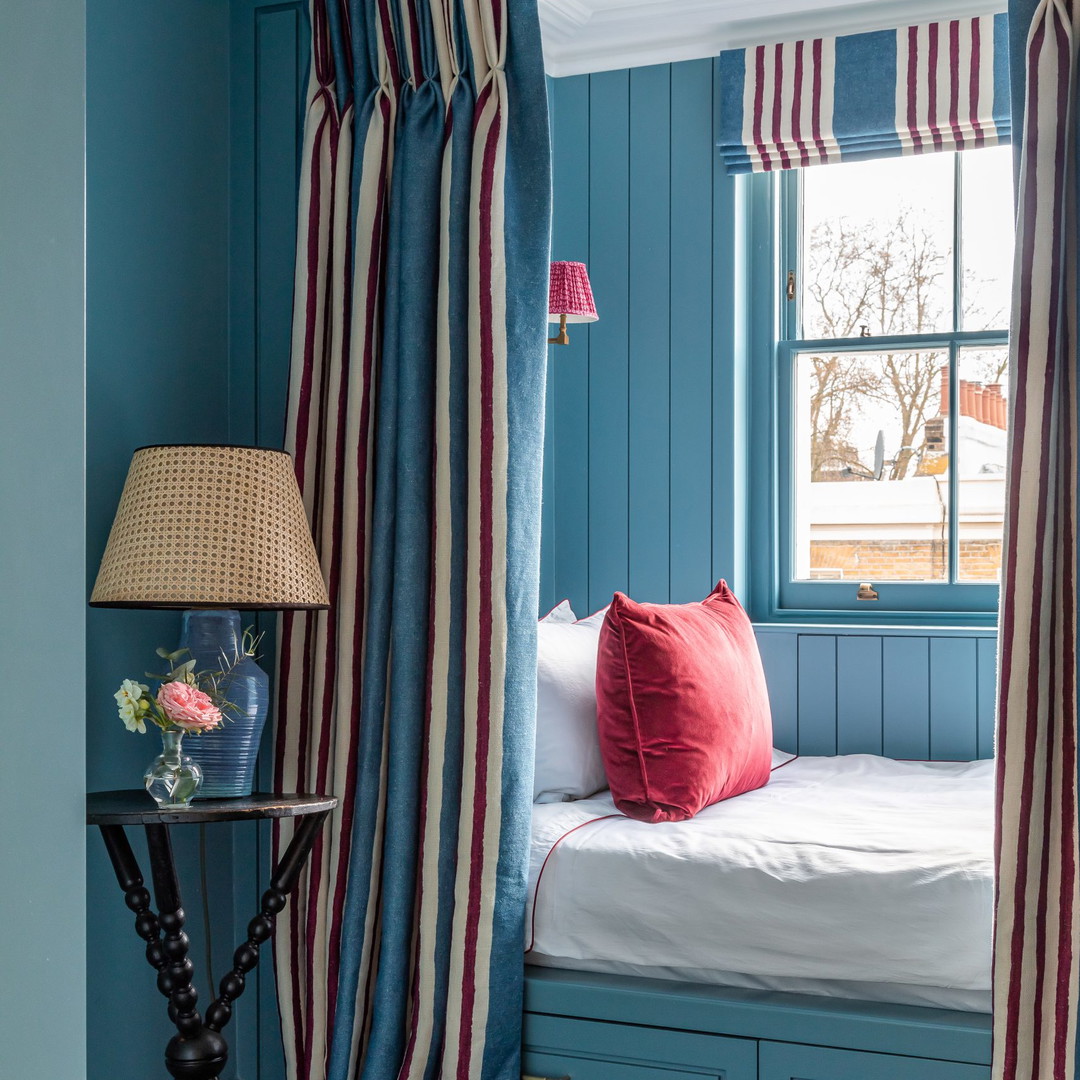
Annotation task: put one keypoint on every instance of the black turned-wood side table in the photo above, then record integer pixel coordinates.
(197, 1051)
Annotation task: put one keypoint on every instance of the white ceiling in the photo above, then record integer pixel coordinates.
(604, 35)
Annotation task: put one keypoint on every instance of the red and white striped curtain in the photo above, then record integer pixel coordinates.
(416, 419)
(1038, 878)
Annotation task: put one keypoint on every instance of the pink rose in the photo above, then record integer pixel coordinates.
(188, 707)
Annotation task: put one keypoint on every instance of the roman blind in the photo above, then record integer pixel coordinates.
(917, 89)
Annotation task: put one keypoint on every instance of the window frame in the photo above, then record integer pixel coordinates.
(775, 206)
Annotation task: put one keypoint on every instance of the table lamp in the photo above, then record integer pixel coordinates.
(570, 298)
(213, 531)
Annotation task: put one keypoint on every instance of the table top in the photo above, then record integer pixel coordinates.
(135, 807)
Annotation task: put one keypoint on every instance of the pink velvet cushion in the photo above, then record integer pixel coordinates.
(682, 707)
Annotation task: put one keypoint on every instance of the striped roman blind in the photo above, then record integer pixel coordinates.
(938, 86)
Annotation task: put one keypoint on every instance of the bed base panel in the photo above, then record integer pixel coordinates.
(600, 1021)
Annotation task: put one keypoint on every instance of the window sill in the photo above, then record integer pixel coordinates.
(849, 627)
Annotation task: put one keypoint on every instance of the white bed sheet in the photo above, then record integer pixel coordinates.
(853, 876)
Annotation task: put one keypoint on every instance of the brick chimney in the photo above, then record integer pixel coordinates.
(967, 398)
(1000, 411)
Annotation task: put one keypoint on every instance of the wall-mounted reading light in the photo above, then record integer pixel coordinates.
(570, 298)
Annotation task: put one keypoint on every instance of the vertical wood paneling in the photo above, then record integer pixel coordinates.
(987, 680)
(609, 255)
(649, 344)
(281, 45)
(629, 501)
(905, 689)
(730, 399)
(953, 699)
(691, 298)
(268, 63)
(902, 696)
(566, 487)
(547, 509)
(780, 659)
(817, 694)
(277, 90)
(858, 695)
(644, 485)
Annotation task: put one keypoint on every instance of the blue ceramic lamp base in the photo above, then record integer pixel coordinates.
(227, 756)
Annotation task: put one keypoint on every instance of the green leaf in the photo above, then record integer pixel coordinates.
(184, 789)
(182, 672)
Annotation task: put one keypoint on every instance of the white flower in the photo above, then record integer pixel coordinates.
(130, 691)
(130, 705)
(131, 721)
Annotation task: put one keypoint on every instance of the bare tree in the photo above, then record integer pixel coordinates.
(860, 282)
(886, 279)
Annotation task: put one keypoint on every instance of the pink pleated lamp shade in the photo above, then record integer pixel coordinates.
(570, 294)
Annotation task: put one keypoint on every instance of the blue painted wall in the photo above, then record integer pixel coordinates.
(146, 96)
(268, 55)
(644, 425)
(646, 468)
(157, 197)
(42, 546)
(193, 124)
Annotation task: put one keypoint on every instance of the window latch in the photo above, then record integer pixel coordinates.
(791, 284)
(866, 592)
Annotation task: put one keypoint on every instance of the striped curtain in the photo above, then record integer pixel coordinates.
(1038, 881)
(938, 86)
(415, 417)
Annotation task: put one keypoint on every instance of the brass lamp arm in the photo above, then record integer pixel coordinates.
(562, 338)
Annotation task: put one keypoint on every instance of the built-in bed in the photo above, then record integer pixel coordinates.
(834, 925)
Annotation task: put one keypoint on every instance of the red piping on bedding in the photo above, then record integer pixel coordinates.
(543, 867)
(591, 821)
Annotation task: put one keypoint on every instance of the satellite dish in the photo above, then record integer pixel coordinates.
(879, 456)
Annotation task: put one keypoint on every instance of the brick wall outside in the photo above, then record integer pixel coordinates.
(901, 560)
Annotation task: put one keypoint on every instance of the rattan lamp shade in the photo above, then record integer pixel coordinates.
(210, 527)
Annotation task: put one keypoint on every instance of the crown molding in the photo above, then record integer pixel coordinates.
(583, 36)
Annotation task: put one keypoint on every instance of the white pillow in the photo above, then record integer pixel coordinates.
(562, 612)
(568, 762)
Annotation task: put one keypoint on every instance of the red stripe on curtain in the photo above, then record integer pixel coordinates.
(484, 714)
(933, 104)
(819, 142)
(913, 87)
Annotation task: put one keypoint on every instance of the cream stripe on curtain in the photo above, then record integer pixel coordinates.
(1035, 946)
(415, 415)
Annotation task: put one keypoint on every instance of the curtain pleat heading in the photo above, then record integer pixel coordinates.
(918, 89)
(416, 419)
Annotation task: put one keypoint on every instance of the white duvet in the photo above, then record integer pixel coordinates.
(853, 870)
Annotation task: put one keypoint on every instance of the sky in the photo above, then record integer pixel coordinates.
(869, 191)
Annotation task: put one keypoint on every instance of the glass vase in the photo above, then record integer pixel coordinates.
(172, 778)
